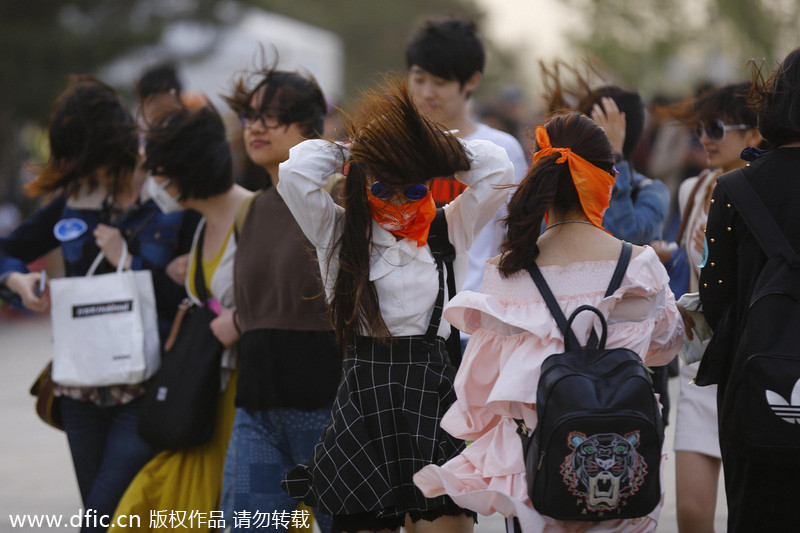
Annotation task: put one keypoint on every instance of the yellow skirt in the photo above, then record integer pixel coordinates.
(181, 489)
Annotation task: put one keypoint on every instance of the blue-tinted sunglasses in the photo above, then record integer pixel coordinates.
(412, 192)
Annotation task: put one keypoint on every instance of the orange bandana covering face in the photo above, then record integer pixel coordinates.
(411, 220)
(593, 183)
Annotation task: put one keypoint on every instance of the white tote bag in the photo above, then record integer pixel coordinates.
(105, 330)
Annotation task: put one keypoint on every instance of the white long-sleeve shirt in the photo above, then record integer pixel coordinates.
(405, 275)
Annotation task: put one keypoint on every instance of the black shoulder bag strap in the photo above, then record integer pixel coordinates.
(570, 340)
(757, 217)
(443, 251)
(199, 276)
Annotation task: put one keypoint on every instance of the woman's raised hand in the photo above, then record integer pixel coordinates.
(612, 120)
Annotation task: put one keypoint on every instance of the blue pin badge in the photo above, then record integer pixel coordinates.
(69, 229)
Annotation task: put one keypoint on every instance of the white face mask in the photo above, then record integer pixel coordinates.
(165, 202)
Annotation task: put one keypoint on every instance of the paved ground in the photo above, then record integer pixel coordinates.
(36, 474)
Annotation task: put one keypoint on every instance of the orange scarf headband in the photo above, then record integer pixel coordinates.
(593, 183)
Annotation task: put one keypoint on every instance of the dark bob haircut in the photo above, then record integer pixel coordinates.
(189, 146)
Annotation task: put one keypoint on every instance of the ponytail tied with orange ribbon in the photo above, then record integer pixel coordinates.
(592, 182)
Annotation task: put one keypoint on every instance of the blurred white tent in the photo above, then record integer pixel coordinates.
(207, 58)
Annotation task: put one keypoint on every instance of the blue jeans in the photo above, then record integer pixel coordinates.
(107, 452)
(264, 446)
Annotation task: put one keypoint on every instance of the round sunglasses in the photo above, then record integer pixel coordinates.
(716, 130)
(412, 192)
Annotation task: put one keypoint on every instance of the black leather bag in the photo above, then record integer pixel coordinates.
(180, 404)
(596, 451)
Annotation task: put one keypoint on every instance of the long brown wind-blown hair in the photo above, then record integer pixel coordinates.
(89, 129)
(393, 142)
(549, 184)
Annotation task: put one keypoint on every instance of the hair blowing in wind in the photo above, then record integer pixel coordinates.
(394, 143)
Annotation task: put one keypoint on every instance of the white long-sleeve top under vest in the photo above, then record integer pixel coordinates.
(404, 274)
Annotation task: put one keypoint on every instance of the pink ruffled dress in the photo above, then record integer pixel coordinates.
(512, 334)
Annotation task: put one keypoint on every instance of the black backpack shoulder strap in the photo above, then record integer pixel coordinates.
(616, 281)
(757, 217)
(570, 340)
(622, 266)
(444, 251)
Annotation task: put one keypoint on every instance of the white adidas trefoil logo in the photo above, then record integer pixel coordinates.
(788, 411)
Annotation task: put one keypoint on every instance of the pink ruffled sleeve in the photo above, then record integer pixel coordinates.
(513, 332)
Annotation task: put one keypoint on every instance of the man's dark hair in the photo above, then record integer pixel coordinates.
(162, 78)
(189, 146)
(447, 48)
(628, 102)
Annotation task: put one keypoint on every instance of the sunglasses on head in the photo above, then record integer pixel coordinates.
(412, 192)
(716, 129)
(249, 117)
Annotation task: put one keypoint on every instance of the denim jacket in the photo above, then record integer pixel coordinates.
(153, 238)
(639, 206)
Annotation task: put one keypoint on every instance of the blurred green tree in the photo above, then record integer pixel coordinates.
(670, 45)
(42, 42)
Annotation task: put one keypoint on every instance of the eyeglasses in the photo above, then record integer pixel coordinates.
(412, 192)
(248, 117)
(715, 130)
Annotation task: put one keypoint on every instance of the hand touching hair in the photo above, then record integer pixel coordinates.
(393, 142)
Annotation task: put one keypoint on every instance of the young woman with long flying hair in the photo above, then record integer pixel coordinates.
(386, 290)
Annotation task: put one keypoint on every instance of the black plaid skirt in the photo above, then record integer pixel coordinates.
(384, 428)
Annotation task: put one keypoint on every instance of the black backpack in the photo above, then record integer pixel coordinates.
(596, 451)
(765, 391)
